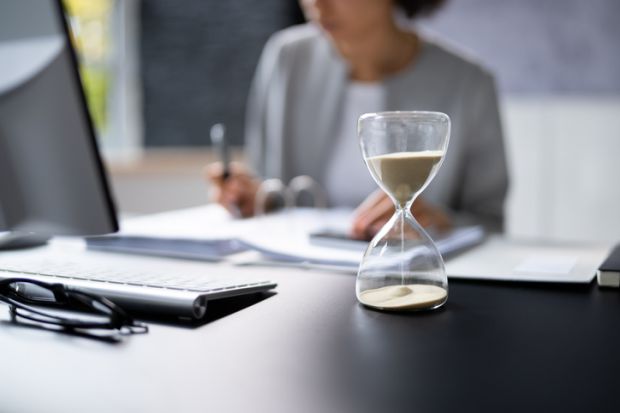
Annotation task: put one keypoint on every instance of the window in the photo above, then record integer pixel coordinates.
(103, 37)
(90, 25)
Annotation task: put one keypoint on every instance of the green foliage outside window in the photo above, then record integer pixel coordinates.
(90, 27)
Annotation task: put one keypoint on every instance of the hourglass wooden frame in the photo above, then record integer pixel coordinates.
(402, 268)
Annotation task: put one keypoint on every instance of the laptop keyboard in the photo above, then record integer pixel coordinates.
(138, 275)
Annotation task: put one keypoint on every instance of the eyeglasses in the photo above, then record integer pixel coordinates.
(27, 298)
(302, 190)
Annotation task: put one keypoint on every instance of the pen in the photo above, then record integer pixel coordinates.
(218, 139)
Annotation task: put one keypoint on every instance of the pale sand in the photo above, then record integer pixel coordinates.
(404, 173)
(404, 297)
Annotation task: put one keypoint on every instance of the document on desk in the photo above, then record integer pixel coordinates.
(210, 233)
(202, 233)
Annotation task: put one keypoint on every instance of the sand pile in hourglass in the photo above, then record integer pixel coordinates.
(403, 174)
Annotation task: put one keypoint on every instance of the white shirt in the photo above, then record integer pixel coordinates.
(348, 181)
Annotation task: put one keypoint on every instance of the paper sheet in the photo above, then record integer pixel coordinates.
(279, 237)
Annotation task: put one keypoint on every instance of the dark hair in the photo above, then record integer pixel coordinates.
(416, 8)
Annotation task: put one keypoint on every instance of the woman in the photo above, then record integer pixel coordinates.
(312, 83)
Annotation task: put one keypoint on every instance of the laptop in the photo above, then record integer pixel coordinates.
(507, 259)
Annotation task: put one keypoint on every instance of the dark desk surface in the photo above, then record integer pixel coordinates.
(311, 347)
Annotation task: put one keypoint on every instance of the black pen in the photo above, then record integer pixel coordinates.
(218, 140)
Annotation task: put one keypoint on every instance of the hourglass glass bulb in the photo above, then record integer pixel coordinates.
(402, 268)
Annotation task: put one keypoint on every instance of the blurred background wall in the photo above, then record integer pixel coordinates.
(177, 67)
(557, 64)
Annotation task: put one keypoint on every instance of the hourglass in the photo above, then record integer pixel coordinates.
(402, 268)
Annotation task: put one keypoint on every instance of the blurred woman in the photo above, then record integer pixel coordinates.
(312, 83)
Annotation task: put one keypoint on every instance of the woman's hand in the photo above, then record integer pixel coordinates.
(378, 208)
(236, 192)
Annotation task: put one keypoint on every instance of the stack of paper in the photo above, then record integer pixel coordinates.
(210, 233)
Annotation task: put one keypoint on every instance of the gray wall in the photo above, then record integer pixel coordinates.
(198, 56)
(197, 59)
(544, 47)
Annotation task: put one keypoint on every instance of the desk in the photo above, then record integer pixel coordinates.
(312, 348)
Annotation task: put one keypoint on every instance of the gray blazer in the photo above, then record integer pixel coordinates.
(294, 105)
